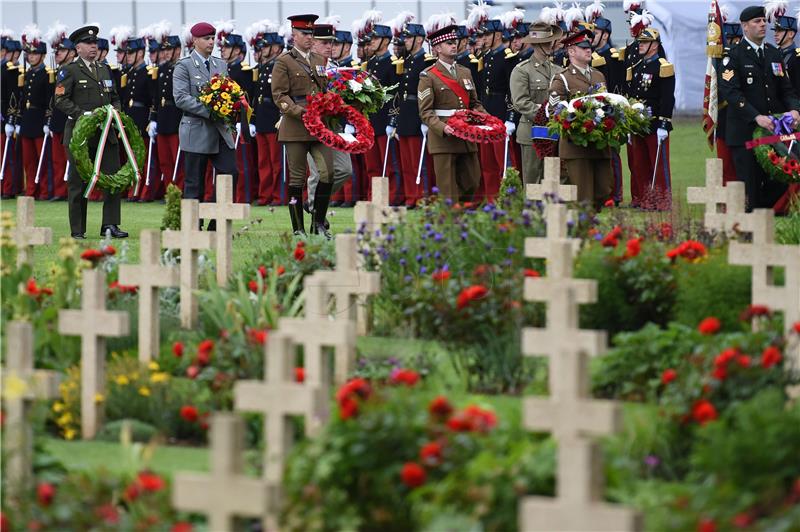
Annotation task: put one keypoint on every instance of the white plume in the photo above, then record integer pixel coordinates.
(640, 22)
(373, 17)
(333, 20)
(31, 34)
(120, 34)
(775, 9)
(628, 5)
(225, 27)
(146, 33)
(437, 22)
(478, 14)
(55, 34)
(725, 11)
(548, 16)
(510, 19)
(399, 22)
(7, 33)
(573, 16)
(594, 10)
(186, 34)
(161, 30)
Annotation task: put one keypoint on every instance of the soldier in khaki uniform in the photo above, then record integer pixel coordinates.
(443, 89)
(530, 81)
(299, 73)
(588, 168)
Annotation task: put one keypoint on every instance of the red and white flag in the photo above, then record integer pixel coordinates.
(714, 50)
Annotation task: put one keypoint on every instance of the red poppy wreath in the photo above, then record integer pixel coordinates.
(478, 127)
(323, 109)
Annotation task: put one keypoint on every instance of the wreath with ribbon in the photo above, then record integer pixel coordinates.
(778, 152)
(106, 119)
(475, 126)
(324, 110)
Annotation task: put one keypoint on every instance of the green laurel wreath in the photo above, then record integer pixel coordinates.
(89, 126)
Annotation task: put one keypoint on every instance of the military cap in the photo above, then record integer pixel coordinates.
(414, 30)
(494, 25)
(381, 31)
(648, 35)
(65, 44)
(324, 32)
(134, 44)
(448, 33)
(153, 45)
(84, 34)
(461, 32)
(732, 29)
(785, 23)
(542, 32)
(203, 29)
(751, 12)
(581, 39)
(344, 37)
(602, 24)
(303, 23)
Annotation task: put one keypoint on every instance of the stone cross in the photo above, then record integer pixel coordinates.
(93, 323)
(21, 386)
(225, 493)
(764, 256)
(724, 204)
(317, 330)
(149, 276)
(25, 235)
(224, 211)
(377, 212)
(551, 184)
(189, 240)
(278, 397)
(348, 285)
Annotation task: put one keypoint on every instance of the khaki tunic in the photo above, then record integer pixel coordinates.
(530, 81)
(566, 85)
(294, 78)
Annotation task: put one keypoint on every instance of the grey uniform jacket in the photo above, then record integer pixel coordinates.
(197, 132)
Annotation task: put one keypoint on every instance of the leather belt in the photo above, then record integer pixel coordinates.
(495, 93)
(445, 112)
(137, 104)
(411, 98)
(299, 99)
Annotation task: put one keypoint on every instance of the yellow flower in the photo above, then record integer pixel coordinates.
(159, 377)
(226, 96)
(144, 391)
(65, 419)
(122, 380)
(153, 366)
(135, 375)
(99, 398)
(215, 85)
(58, 406)
(14, 387)
(69, 434)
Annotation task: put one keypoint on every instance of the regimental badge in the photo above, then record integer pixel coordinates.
(777, 69)
(749, 81)
(725, 61)
(468, 84)
(727, 75)
(59, 90)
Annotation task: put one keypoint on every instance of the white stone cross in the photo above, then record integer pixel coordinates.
(25, 235)
(279, 397)
(149, 276)
(558, 266)
(551, 187)
(377, 212)
(21, 386)
(764, 256)
(189, 240)
(226, 493)
(93, 323)
(724, 204)
(317, 330)
(224, 211)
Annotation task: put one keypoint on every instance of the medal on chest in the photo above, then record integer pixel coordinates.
(777, 69)
(468, 84)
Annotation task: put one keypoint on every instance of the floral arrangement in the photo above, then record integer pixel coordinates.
(222, 96)
(772, 150)
(599, 120)
(359, 89)
(323, 109)
(474, 126)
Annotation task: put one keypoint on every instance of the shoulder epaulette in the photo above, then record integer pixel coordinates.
(797, 52)
(51, 75)
(399, 64)
(429, 57)
(509, 53)
(629, 74)
(667, 69)
(354, 63)
(598, 60)
(154, 72)
(524, 62)
(245, 64)
(255, 74)
(620, 54)
(112, 67)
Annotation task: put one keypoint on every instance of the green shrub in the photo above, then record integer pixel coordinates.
(172, 209)
(139, 431)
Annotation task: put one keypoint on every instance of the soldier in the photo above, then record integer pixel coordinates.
(530, 81)
(35, 96)
(444, 88)
(119, 38)
(136, 85)
(63, 54)
(754, 86)
(785, 28)
(10, 100)
(102, 50)
(732, 32)
(349, 192)
(476, 26)
(82, 86)
(513, 33)
(297, 74)
(588, 168)
(167, 115)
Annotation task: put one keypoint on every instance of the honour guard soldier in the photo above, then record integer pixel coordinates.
(444, 88)
(785, 28)
(530, 81)
(588, 168)
(167, 115)
(732, 35)
(119, 39)
(36, 93)
(362, 33)
(10, 98)
(652, 82)
(342, 47)
(102, 50)
(755, 86)
(83, 86)
(477, 18)
(64, 54)
(297, 74)
(139, 100)
(514, 30)
(267, 45)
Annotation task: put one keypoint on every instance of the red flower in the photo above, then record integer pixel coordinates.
(703, 412)
(192, 371)
(470, 294)
(668, 376)
(131, 492)
(92, 255)
(588, 125)
(281, 270)
(531, 273)
(108, 513)
(742, 520)
(31, 287)
(431, 453)
(706, 525)
(743, 361)
(690, 250)
(189, 413)
(177, 349)
(348, 407)
(182, 526)
(770, 357)
(109, 250)
(609, 241)
(413, 475)
(609, 123)
(262, 271)
(346, 396)
(472, 418)
(252, 286)
(710, 325)
(257, 336)
(633, 247)
(755, 311)
(299, 374)
(481, 270)
(409, 377)
(720, 373)
(440, 407)
(150, 481)
(609, 203)
(440, 275)
(205, 346)
(45, 492)
(299, 253)
(796, 327)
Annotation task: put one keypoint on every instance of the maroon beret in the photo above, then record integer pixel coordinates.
(202, 29)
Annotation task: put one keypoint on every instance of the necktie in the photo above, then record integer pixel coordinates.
(92, 69)
(208, 67)
(760, 54)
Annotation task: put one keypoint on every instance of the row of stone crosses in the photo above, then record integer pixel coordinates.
(573, 417)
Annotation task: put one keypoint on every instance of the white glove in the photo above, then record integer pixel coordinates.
(85, 113)
(349, 129)
(238, 129)
(510, 128)
(16, 129)
(9, 129)
(252, 130)
(152, 129)
(424, 129)
(46, 130)
(662, 134)
(390, 131)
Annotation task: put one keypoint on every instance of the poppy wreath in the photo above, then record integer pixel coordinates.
(104, 120)
(775, 158)
(475, 126)
(324, 109)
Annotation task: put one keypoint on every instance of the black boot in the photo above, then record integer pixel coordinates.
(296, 210)
(321, 200)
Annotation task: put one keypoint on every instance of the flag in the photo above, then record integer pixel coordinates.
(715, 45)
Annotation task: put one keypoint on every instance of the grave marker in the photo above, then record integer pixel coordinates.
(224, 211)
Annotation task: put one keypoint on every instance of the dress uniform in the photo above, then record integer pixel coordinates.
(733, 34)
(297, 74)
(168, 119)
(137, 104)
(588, 168)
(36, 93)
(348, 194)
(82, 86)
(9, 106)
(652, 82)
(755, 84)
(443, 89)
(57, 123)
(265, 118)
(380, 65)
(530, 81)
